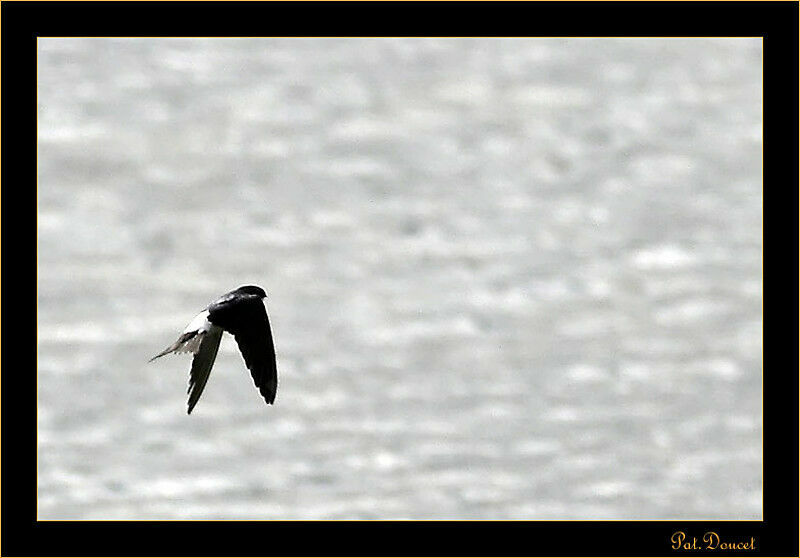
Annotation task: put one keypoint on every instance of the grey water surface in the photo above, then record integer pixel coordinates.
(507, 278)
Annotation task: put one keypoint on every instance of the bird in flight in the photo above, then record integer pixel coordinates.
(241, 313)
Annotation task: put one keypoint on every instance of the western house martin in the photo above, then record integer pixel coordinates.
(241, 313)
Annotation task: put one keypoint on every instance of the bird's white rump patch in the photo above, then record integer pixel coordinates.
(200, 326)
(199, 323)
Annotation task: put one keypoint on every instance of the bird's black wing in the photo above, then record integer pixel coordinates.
(201, 364)
(245, 317)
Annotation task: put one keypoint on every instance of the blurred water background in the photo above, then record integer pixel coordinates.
(508, 279)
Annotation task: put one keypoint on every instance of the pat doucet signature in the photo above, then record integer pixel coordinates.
(710, 541)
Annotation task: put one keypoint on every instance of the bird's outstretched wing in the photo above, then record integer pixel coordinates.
(202, 362)
(246, 318)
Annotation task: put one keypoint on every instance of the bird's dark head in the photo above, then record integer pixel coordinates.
(252, 290)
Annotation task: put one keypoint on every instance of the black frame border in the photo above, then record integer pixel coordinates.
(23, 22)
